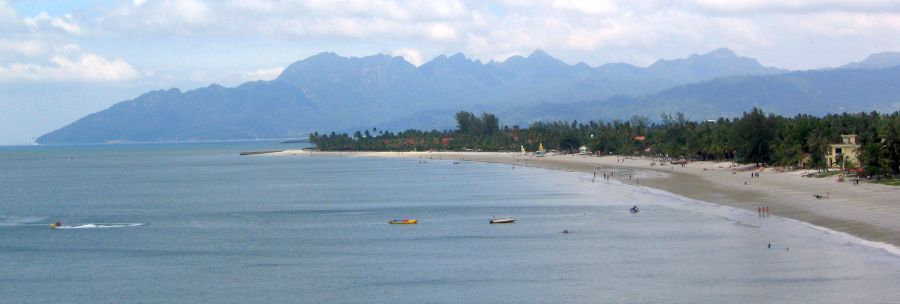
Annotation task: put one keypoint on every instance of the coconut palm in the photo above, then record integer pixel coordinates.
(818, 144)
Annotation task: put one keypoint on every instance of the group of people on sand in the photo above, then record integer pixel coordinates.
(763, 211)
(605, 176)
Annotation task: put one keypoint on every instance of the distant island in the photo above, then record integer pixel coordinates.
(330, 92)
(867, 144)
(294, 141)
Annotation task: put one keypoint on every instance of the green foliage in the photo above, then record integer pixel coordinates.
(889, 129)
(754, 132)
(755, 137)
(873, 157)
(817, 143)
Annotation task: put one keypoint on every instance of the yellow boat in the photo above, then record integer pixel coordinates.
(403, 222)
(55, 225)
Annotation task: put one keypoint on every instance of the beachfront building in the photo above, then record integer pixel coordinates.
(583, 150)
(844, 154)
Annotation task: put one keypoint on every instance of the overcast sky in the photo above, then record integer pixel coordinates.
(62, 59)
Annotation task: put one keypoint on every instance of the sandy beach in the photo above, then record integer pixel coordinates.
(868, 211)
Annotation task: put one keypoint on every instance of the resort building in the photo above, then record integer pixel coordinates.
(583, 150)
(844, 154)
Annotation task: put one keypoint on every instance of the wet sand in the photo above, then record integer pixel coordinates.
(868, 211)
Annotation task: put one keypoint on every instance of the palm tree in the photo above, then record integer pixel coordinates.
(818, 144)
(890, 133)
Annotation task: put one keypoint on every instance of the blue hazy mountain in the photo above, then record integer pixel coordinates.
(876, 61)
(331, 92)
(817, 92)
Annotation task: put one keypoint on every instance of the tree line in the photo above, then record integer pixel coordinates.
(755, 137)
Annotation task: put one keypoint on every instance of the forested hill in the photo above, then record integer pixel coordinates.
(330, 92)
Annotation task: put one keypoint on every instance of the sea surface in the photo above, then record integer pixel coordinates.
(197, 223)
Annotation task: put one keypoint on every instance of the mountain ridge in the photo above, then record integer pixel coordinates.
(876, 61)
(815, 92)
(330, 92)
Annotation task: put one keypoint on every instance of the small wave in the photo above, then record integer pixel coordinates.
(348, 213)
(742, 224)
(886, 247)
(101, 225)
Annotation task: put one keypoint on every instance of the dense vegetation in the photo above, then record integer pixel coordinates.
(755, 137)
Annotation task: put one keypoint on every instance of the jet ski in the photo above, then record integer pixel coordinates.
(634, 209)
(55, 225)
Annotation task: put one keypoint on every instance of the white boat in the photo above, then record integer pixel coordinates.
(502, 221)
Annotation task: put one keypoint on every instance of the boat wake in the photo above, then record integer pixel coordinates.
(101, 225)
(12, 221)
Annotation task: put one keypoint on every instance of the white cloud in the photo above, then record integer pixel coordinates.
(441, 32)
(263, 74)
(843, 24)
(798, 6)
(259, 6)
(189, 11)
(590, 7)
(595, 31)
(7, 13)
(70, 67)
(28, 48)
(410, 55)
(65, 23)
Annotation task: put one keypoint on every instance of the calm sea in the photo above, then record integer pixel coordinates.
(196, 223)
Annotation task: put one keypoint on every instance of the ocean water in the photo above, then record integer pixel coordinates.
(193, 223)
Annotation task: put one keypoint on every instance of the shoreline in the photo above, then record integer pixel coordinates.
(868, 211)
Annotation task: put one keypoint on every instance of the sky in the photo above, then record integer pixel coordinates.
(63, 59)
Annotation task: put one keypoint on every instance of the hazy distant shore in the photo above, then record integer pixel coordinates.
(868, 211)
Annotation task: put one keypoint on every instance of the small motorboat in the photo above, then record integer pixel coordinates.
(502, 221)
(403, 221)
(634, 209)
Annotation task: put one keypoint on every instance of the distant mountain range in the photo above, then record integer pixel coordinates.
(876, 61)
(328, 92)
(811, 92)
